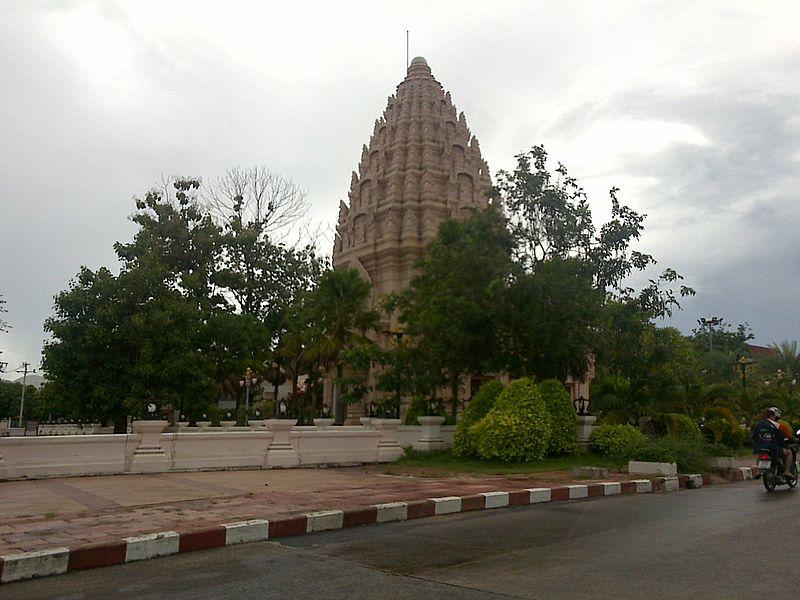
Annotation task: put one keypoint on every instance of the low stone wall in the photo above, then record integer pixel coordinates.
(408, 435)
(149, 449)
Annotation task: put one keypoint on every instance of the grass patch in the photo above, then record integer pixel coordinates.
(442, 463)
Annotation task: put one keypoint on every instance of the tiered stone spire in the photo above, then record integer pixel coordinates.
(421, 166)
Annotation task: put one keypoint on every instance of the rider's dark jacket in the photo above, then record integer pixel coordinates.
(766, 436)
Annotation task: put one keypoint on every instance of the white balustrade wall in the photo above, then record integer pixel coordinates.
(150, 449)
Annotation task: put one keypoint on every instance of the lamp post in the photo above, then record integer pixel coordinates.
(250, 379)
(743, 363)
(711, 322)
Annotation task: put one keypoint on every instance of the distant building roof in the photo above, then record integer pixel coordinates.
(754, 350)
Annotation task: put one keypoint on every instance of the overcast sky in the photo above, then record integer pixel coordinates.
(691, 109)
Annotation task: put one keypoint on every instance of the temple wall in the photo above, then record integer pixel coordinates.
(280, 444)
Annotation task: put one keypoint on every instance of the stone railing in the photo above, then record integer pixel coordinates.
(149, 449)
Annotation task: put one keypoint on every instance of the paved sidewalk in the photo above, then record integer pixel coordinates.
(40, 514)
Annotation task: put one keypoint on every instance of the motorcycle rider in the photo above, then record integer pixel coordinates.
(770, 433)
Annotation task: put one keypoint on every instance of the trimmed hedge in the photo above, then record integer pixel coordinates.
(517, 428)
(617, 442)
(691, 455)
(563, 420)
(479, 407)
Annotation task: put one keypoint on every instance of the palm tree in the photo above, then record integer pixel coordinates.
(337, 318)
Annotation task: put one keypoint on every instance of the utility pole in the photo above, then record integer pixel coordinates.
(24, 370)
(710, 323)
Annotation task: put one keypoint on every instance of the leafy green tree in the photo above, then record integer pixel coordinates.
(331, 319)
(550, 217)
(551, 320)
(10, 396)
(118, 343)
(452, 309)
(177, 244)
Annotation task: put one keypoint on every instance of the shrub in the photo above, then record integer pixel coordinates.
(563, 421)
(517, 428)
(677, 425)
(691, 455)
(479, 406)
(214, 414)
(617, 442)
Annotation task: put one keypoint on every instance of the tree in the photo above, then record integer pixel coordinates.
(177, 243)
(452, 309)
(10, 395)
(118, 343)
(550, 217)
(330, 319)
(552, 319)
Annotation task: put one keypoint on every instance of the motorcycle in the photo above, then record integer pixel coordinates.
(770, 467)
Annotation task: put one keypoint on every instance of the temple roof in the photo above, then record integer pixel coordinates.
(422, 165)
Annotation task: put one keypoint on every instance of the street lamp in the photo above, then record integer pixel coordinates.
(743, 363)
(710, 323)
(249, 380)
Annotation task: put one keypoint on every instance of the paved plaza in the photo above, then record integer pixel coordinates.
(77, 511)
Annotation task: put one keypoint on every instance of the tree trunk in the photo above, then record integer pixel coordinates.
(339, 409)
(454, 399)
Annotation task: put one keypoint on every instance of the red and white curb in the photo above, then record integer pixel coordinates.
(54, 561)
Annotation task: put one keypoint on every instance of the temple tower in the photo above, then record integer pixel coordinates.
(421, 166)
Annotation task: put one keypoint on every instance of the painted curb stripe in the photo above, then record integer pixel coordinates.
(420, 508)
(40, 563)
(201, 540)
(495, 499)
(287, 527)
(360, 516)
(477, 502)
(99, 555)
(254, 530)
(55, 561)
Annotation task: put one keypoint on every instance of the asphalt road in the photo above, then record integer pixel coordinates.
(717, 542)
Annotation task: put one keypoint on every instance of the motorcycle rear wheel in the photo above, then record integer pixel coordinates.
(770, 478)
(793, 481)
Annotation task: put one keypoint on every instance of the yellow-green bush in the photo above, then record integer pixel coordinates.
(563, 421)
(517, 428)
(479, 406)
(618, 442)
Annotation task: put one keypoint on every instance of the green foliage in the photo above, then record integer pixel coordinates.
(212, 413)
(424, 407)
(517, 428)
(563, 420)
(678, 426)
(552, 319)
(200, 297)
(550, 217)
(10, 396)
(478, 408)
(451, 307)
(691, 455)
(722, 427)
(617, 442)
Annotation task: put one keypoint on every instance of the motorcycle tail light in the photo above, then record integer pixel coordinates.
(764, 456)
